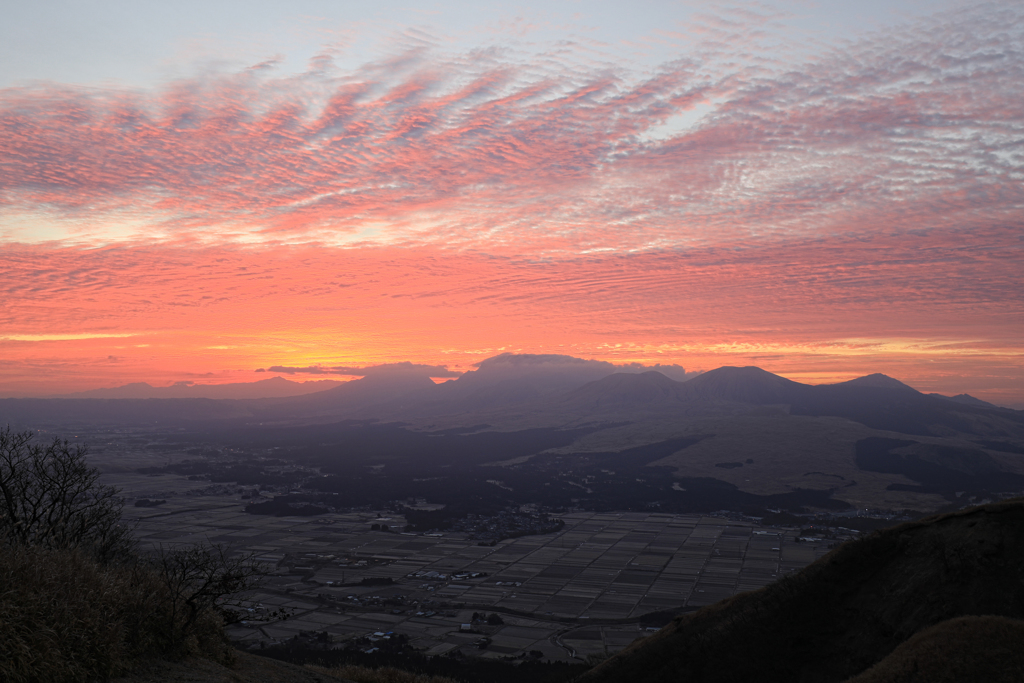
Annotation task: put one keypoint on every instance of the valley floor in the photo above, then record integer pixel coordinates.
(567, 595)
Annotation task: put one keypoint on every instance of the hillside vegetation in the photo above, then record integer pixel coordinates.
(962, 650)
(66, 617)
(77, 601)
(867, 601)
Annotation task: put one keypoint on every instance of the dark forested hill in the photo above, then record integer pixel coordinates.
(851, 609)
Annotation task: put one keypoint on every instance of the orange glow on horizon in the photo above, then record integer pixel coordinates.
(304, 307)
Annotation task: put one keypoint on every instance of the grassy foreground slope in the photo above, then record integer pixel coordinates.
(849, 610)
(245, 668)
(961, 650)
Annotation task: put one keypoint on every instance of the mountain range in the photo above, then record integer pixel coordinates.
(275, 387)
(870, 442)
(510, 382)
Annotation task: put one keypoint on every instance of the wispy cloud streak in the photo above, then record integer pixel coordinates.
(491, 148)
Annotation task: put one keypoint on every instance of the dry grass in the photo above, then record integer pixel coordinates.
(62, 617)
(965, 650)
(386, 674)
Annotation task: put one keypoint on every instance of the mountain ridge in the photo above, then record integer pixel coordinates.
(551, 386)
(877, 379)
(748, 384)
(273, 387)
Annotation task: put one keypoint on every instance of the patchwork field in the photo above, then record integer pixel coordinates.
(571, 594)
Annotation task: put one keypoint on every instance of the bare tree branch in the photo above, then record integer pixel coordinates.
(51, 497)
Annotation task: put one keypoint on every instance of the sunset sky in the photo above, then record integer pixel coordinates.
(191, 191)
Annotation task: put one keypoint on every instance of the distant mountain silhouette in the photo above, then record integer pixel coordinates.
(875, 401)
(967, 400)
(852, 609)
(877, 380)
(623, 390)
(541, 386)
(35, 412)
(508, 381)
(392, 390)
(744, 385)
(725, 385)
(897, 409)
(274, 387)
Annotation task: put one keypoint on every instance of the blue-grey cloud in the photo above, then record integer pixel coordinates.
(369, 370)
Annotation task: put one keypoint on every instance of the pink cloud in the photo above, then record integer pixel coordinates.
(914, 128)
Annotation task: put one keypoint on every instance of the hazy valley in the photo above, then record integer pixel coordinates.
(563, 432)
(583, 508)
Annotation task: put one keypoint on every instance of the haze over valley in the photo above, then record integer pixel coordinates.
(553, 428)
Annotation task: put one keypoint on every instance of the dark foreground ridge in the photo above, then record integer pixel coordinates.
(989, 649)
(884, 601)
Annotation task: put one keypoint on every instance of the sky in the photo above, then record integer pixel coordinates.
(193, 191)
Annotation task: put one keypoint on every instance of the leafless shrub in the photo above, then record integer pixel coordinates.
(77, 600)
(51, 498)
(199, 581)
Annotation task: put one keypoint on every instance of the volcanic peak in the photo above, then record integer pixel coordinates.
(743, 385)
(877, 379)
(624, 388)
